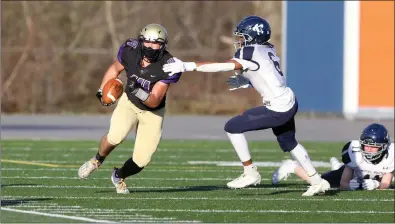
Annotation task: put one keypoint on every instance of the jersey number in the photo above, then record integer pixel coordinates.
(276, 64)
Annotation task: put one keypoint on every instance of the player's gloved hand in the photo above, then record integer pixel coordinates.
(136, 89)
(99, 95)
(237, 82)
(133, 85)
(354, 184)
(178, 66)
(369, 184)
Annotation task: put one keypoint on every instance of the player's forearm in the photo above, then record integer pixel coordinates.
(111, 73)
(384, 185)
(344, 185)
(152, 101)
(209, 66)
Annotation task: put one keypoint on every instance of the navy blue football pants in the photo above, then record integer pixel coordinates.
(260, 118)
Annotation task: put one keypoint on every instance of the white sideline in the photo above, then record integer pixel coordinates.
(56, 215)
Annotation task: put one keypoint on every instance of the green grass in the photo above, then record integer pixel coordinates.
(170, 189)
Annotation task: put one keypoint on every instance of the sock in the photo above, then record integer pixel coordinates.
(249, 168)
(128, 169)
(240, 144)
(300, 154)
(100, 158)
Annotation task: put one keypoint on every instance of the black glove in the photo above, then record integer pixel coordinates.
(99, 95)
(134, 85)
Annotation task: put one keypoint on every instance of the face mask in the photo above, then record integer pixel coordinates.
(150, 53)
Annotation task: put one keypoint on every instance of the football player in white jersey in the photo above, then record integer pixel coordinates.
(258, 67)
(368, 163)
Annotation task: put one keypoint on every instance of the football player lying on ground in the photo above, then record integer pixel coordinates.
(259, 68)
(142, 105)
(368, 163)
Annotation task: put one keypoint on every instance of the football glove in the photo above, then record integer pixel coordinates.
(99, 95)
(178, 66)
(369, 184)
(237, 82)
(354, 184)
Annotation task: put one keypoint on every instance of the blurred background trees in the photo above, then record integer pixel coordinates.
(54, 53)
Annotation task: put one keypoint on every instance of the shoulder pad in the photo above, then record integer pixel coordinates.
(132, 42)
(355, 154)
(345, 156)
(390, 159)
(245, 53)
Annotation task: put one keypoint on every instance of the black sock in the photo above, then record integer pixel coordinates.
(129, 168)
(100, 158)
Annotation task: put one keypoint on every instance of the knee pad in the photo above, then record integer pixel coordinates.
(114, 139)
(141, 158)
(232, 127)
(287, 142)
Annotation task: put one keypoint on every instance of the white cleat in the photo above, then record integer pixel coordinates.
(88, 167)
(335, 164)
(284, 171)
(119, 183)
(248, 178)
(318, 188)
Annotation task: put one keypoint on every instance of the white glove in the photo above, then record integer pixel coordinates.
(178, 66)
(237, 82)
(369, 184)
(354, 184)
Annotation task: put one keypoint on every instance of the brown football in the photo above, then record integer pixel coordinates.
(112, 90)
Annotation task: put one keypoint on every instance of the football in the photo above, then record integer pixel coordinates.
(112, 90)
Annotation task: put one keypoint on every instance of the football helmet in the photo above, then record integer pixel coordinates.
(375, 135)
(157, 34)
(251, 30)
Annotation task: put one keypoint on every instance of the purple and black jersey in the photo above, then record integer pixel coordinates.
(129, 55)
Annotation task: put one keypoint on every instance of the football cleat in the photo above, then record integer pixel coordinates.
(335, 164)
(88, 167)
(318, 188)
(119, 183)
(284, 171)
(248, 178)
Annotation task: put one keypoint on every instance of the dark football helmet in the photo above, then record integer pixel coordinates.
(252, 30)
(375, 135)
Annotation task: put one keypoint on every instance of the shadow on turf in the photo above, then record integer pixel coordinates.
(210, 188)
(22, 201)
(181, 189)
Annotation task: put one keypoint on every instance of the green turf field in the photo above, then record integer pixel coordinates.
(184, 183)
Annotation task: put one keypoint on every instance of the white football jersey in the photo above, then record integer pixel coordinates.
(266, 76)
(364, 169)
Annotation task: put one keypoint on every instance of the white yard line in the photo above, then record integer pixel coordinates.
(236, 211)
(55, 215)
(317, 164)
(134, 178)
(201, 198)
(210, 150)
(182, 170)
(138, 187)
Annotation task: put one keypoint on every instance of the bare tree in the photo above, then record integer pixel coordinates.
(54, 53)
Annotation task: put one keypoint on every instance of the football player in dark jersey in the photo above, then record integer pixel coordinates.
(142, 105)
